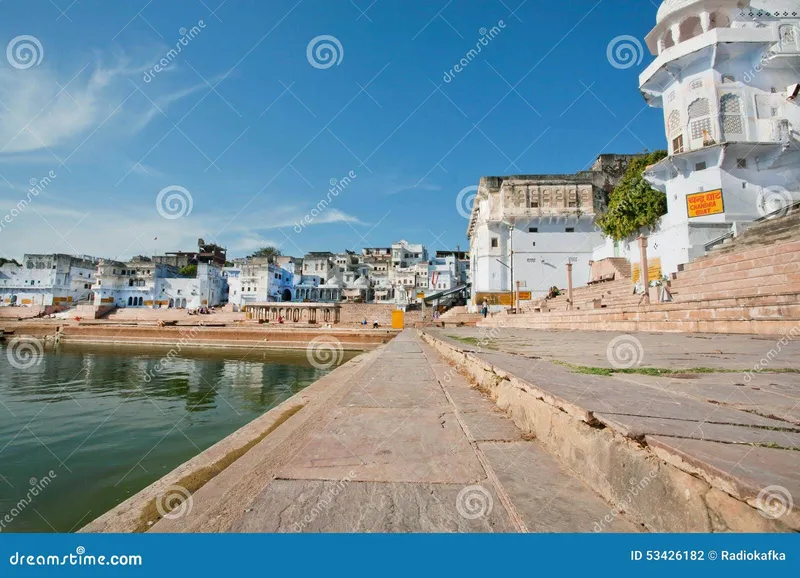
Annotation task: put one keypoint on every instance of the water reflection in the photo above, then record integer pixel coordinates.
(109, 420)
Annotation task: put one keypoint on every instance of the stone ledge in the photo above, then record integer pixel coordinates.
(625, 472)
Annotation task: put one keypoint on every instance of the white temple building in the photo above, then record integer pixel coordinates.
(726, 74)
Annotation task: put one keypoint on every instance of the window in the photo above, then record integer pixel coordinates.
(677, 145)
(741, 163)
(730, 106)
(700, 120)
(494, 242)
(788, 37)
(533, 229)
(674, 123)
(570, 229)
(700, 166)
(728, 79)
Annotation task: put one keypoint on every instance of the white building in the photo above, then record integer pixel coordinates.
(446, 273)
(529, 227)
(256, 280)
(726, 74)
(48, 280)
(142, 282)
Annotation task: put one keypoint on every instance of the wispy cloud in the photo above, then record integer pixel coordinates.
(39, 110)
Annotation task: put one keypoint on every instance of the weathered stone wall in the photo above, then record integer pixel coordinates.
(355, 313)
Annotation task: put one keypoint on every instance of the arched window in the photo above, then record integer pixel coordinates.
(700, 125)
(674, 123)
(690, 28)
(730, 107)
(141, 301)
(719, 20)
(675, 132)
(130, 301)
(669, 41)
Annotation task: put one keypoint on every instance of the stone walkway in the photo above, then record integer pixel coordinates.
(737, 429)
(408, 446)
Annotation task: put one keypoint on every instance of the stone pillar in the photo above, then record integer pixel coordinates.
(676, 33)
(705, 21)
(569, 285)
(643, 269)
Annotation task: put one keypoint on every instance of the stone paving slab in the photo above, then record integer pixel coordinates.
(410, 370)
(346, 506)
(636, 427)
(745, 471)
(388, 445)
(381, 392)
(491, 426)
(547, 497)
(667, 350)
(469, 400)
(601, 394)
(719, 389)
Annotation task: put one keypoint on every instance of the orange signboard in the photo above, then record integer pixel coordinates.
(706, 203)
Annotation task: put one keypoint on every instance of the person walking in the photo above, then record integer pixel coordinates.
(484, 309)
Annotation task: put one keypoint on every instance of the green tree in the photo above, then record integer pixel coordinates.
(634, 204)
(269, 252)
(189, 271)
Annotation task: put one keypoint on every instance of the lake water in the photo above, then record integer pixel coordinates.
(83, 430)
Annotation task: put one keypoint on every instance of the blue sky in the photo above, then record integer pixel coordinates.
(253, 133)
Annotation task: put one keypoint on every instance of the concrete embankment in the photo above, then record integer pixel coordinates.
(672, 461)
(202, 336)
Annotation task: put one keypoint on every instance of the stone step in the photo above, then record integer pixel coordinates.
(775, 260)
(730, 293)
(754, 327)
(767, 312)
(739, 256)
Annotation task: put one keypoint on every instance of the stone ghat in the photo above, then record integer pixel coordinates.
(395, 440)
(675, 456)
(199, 336)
